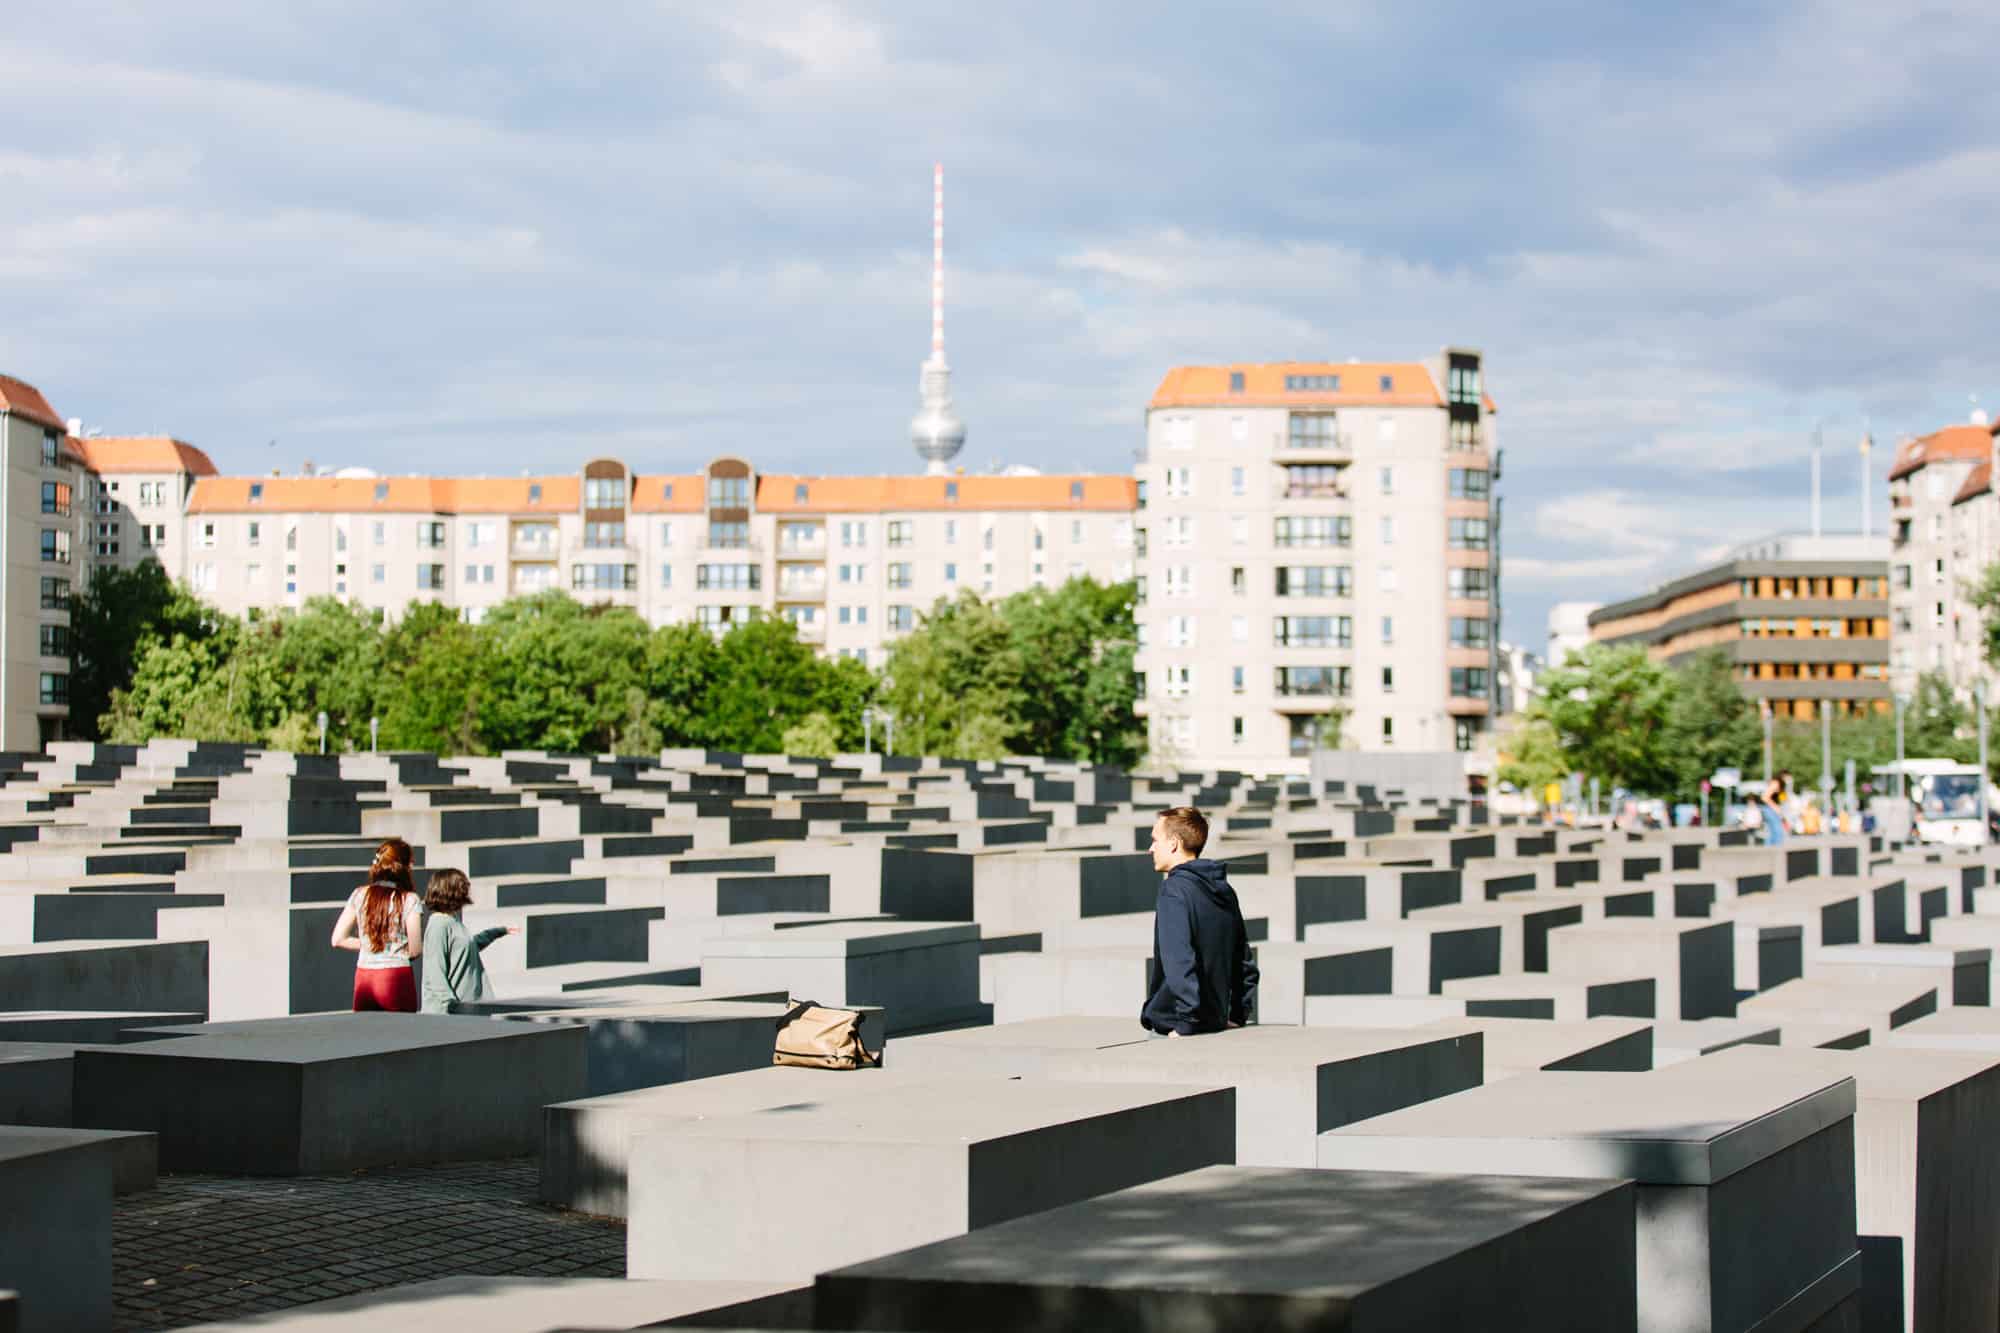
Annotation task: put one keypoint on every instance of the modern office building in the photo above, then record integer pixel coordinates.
(39, 479)
(1941, 540)
(1569, 630)
(1804, 620)
(1318, 545)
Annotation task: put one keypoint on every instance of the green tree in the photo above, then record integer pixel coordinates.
(681, 665)
(1532, 756)
(1609, 709)
(210, 688)
(766, 681)
(1710, 723)
(554, 674)
(116, 612)
(1074, 648)
(955, 682)
(428, 696)
(813, 736)
(328, 655)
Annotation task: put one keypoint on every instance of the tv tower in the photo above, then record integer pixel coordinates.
(936, 430)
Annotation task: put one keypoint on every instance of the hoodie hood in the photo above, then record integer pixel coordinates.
(1211, 877)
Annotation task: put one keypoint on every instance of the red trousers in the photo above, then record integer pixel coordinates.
(391, 988)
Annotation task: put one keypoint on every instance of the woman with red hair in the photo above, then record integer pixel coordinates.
(384, 923)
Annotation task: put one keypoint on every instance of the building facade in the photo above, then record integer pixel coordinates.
(1804, 621)
(1941, 540)
(1318, 545)
(40, 477)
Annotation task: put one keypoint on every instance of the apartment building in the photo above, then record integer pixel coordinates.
(1941, 540)
(39, 478)
(1318, 545)
(851, 561)
(1804, 620)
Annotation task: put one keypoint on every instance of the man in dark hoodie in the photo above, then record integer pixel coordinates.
(1202, 978)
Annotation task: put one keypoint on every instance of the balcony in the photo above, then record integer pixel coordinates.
(747, 546)
(534, 549)
(802, 590)
(1302, 491)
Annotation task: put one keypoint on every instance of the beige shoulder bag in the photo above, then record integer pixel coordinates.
(817, 1038)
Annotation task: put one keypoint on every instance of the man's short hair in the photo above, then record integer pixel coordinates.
(1188, 826)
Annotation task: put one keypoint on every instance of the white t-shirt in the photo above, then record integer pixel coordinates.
(398, 952)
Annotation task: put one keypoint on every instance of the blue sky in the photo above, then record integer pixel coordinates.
(428, 236)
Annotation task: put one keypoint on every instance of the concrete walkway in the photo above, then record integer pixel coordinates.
(203, 1248)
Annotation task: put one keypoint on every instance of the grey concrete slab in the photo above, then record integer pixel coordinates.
(1513, 1046)
(55, 1228)
(642, 1046)
(1879, 1005)
(1290, 971)
(1010, 1050)
(1745, 1173)
(1963, 976)
(923, 974)
(128, 975)
(1674, 1042)
(334, 1092)
(1103, 982)
(1569, 999)
(1292, 1083)
(1767, 955)
(587, 1142)
(82, 1026)
(35, 1079)
(786, 1193)
(1240, 1247)
(1927, 1185)
(1693, 962)
(527, 1305)
(1424, 955)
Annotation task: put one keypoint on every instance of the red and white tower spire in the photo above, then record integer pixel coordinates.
(936, 430)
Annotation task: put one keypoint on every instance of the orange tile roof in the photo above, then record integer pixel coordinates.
(107, 454)
(649, 494)
(868, 495)
(398, 495)
(25, 400)
(1953, 444)
(1410, 385)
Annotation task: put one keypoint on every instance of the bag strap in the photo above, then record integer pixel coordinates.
(796, 1012)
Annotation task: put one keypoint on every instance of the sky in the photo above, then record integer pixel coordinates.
(433, 237)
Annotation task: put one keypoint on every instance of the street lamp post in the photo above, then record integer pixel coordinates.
(868, 730)
(322, 731)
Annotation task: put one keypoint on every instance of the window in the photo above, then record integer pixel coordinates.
(1237, 583)
(1470, 632)
(1038, 539)
(1179, 432)
(799, 493)
(1463, 731)
(430, 577)
(1385, 577)
(1239, 629)
(728, 492)
(666, 576)
(1312, 384)
(1312, 680)
(1178, 581)
(1076, 532)
(1388, 530)
(1314, 581)
(1236, 730)
(729, 536)
(1180, 482)
(604, 578)
(1386, 383)
(55, 640)
(534, 493)
(55, 687)
(382, 491)
(1388, 731)
(1076, 492)
(55, 498)
(429, 535)
(253, 533)
(860, 615)
(951, 532)
(899, 574)
(749, 577)
(530, 578)
(1180, 631)
(292, 538)
(1180, 530)
(1238, 481)
(51, 456)
(1313, 631)
(950, 572)
(1470, 585)
(472, 573)
(1314, 481)
(55, 545)
(1239, 429)
(476, 534)
(666, 534)
(667, 491)
(206, 538)
(1385, 430)
(380, 535)
(951, 495)
(1462, 384)
(1468, 682)
(1179, 682)
(1236, 381)
(202, 576)
(854, 534)
(717, 617)
(1470, 483)
(1236, 680)
(986, 539)
(253, 573)
(603, 534)
(1467, 534)
(901, 619)
(1239, 530)
(55, 594)
(1388, 481)
(1388, 629)
(902, 532)
(1388, 680)
(378, 573)
(1465, 434)
(1312, 430)
(1319, 530)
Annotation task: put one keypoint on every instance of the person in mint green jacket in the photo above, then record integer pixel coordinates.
(452, 970)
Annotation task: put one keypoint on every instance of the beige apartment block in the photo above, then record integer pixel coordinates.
(1941, 539)
(851, 561)
(39, 492)
(1319, 556)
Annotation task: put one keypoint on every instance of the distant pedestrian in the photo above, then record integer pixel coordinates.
(453, 969)
(1202, 978)
(384, 923)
